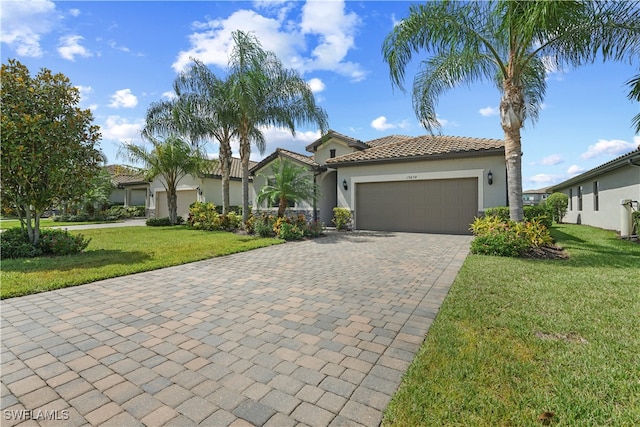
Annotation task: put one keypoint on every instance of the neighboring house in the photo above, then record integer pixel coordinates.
(434, 184)
(534, 197)
(605, 196)
(129, 188)
(204, 188)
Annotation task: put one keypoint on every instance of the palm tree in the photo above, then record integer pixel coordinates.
(290, 183)
(512, 43)
(634, 95)
(172, 159)
(266, 94)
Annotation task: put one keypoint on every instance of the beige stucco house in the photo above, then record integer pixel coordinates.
(606, 195)
(433, 183)
(204, 188)
(129, 188)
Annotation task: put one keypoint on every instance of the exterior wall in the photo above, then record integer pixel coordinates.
(212, 191)
(621, 183)
(478, 167)
(137, 196)
(324, 151)
(328, 183)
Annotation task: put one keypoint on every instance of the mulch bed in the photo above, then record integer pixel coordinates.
(547, 252)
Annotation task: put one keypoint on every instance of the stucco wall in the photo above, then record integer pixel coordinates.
(324, 151)
(478, 167)
(622, 183)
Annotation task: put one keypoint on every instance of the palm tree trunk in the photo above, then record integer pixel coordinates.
(172, 201)
(225, 165)
(282, 207)
(511, 115)
(245, 152)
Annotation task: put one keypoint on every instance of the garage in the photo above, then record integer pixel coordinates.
(445, 206)
(185, 198)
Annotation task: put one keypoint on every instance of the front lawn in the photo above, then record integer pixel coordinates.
(46, 222)
(120, 251)
(530, 342)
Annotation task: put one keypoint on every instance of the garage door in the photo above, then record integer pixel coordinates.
(431, 206)
(185, 198)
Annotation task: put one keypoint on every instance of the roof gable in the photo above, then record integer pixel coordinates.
(281, 152)
(351, 142)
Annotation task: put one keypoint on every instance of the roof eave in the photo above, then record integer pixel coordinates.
(441, 156)
(632, 159)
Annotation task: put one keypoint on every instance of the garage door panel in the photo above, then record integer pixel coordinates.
(431, 206)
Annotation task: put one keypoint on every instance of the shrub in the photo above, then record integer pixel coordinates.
(557, 204)
(342, 218)
(205, 216)
(636, 221)
(495, 236)
(530, 213)
(124, 212)
(61, 242)
(288, 231)
(264, 226)
(158, 222)
(14, 243)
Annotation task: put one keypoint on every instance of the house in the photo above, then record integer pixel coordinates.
(206, 187)
(432, 183)
(534, 197)
(129, 187)
(605, 196)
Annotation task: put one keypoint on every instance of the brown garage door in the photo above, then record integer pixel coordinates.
(185, 198)
(431, 206)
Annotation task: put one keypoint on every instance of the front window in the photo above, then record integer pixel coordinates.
(332, 153)
(571, 199)
(580, 198)
(596, 196)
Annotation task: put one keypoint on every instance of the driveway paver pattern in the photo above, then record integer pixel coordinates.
(315, 333)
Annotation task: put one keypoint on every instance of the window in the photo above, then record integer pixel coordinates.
(596, 199)
(571, 199)
(332, 153)
(580, 197)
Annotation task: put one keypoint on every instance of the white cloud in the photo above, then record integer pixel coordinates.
(120, 129)
(542, 180)
(489, 111)
(74, 12)
(575, 170)
(382, 124)
(281, 138)
(169, 95)
(123, 98)
(554, 159)
(316, 85)
(69, 47)
(324, 27)
(23, 23)
(609, 148)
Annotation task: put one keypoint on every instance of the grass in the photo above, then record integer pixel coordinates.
(46, 222)
(518, 337)
(117, 252)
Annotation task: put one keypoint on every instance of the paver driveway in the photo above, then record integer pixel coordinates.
(309, 333)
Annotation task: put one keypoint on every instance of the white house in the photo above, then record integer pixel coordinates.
(606, 195)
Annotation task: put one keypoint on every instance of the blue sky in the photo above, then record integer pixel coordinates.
(125, 55)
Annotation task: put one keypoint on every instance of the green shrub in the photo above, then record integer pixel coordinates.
(290, 231)
(263, 226)
(287, 228)
(61, 242)
(124, 212)
(14, 243)
(205, 216)
(495, 236)
(530, 213)
(557, 204)
(636, 221)
(159, 222)
(342, 218)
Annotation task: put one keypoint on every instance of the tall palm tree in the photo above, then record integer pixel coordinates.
(171, 158)
(512, 43)
(266, 94)
(634, 95)
(290, 183)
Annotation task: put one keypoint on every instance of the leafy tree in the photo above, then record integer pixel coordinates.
(634, 95)
(97, 195)
(264, 93)
(49, 146)
(512, 43)
(172, 159)
(557, 204)
(290, 183)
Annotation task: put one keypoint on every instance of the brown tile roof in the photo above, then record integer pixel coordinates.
(281, 152)
(387, 140)
(351, 142)
(420, 148)
(236, 169)
(123, 175)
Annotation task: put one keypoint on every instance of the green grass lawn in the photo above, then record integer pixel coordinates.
(120, 251)
(518, 337)
(45, 222)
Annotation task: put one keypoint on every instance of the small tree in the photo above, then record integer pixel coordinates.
(49, 146)
(290, 183)
(172, 159)
(557, 204)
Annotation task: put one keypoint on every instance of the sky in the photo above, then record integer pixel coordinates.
(125, 55)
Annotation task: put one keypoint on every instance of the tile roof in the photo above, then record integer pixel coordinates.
(387, 140)
(395, 148)
(122, 175)
(352, 142)
(281, 152)
(235, 172)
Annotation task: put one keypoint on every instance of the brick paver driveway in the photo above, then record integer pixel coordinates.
(309, 333)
